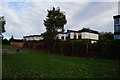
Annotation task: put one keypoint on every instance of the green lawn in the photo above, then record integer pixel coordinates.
(40, 65)
(8, 47)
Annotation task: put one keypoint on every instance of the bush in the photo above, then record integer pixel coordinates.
(5, 41)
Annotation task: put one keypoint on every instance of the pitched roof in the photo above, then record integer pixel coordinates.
(71, 31)
(88, 30)
(32, 36)
(17, 40)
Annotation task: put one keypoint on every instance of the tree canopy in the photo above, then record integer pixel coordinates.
(54, 23)
(2, 24)
(106, 35)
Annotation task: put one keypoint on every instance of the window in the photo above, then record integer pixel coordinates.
(62, 37)
(116, 21)
(68, 36)
(117, 36)
(117, 28)
(79, 35)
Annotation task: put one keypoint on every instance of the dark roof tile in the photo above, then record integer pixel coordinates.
(88, 30)
(117, 16)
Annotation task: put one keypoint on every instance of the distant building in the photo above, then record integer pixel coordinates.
(116, 27)
(117, 24)
(72, 35)
(62, 36)
(89, 34)
(33, 38)
(17, 42)
(85, 33)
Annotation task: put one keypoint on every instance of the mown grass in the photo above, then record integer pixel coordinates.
(24, 50)
(8, 47)
(40, 65)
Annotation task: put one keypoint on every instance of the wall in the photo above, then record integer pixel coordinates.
(87, 35)
(34, 38)
(17, 44)
(94, 36)
(76, 35)
(71, 35)
(117, 28)
(62, 35)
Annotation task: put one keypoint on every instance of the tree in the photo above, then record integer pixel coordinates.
(2, 24)
(2, 28)
(11, 39)
(5, 41)
(106, 35)
(54, 23)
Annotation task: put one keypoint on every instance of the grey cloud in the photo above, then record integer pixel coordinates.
(29, 20)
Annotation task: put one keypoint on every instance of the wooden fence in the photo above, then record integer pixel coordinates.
(108, 49)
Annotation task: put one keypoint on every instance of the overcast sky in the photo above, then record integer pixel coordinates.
(26, 18)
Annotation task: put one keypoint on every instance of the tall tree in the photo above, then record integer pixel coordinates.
(2, 24)
(54, 23)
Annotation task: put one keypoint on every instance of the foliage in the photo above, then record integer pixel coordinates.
(49, 35)
(54, 23)
(11, 39)
(108, 49)
(106, 35)
(2, 24)
(5, 41)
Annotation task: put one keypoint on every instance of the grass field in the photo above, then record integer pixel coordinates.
(8, 47)
(40, 65)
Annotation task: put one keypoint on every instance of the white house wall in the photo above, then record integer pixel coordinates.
(37, 38)
(62, 35)
(94, 36)
(65, 36)
(59, 36)
(84, 35)
(31, 38)
(34, 38)
(87, 35)
(72, 35)
(76, 35)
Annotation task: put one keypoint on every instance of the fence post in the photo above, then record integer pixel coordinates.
(86, 50)
(62, 49)
(72, 50)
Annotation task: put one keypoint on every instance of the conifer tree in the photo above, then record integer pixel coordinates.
(54, 23)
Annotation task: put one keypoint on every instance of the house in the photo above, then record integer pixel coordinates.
(88, 34)
(73, 35)
(62, 36)
(83, 34)
(33, 38)
(17, 42)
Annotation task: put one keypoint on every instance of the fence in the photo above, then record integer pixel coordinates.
(102, 49)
